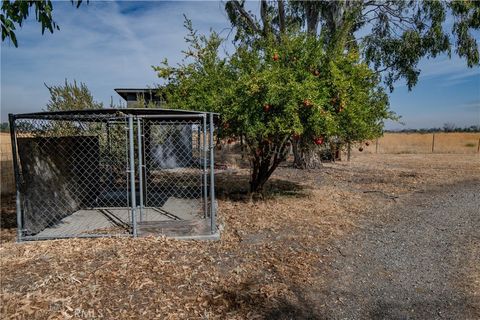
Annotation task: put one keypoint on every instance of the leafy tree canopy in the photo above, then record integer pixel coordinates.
(14, 13)
(271, 92)
(71, 96)
(391, 36)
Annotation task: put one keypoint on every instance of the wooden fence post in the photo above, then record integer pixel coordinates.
(478, 147)
(376, 146)
(433, 142)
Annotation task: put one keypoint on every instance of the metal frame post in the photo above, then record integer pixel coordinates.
(146, 133)
(132, 175)
(172, 116)
(108, 142)
(204, 158)
(140, 165)
(213, 221)
(16, 169)
(199, 144)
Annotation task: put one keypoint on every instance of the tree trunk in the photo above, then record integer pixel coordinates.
(298, 155)
(349, 150)
(281, 16)
(312, 11)
(257, 183)
(264, 16)
(305, 157)
(264, 164)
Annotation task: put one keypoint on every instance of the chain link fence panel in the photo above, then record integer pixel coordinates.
(84, 175)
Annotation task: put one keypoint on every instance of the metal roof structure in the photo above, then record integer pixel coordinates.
(109, 112)
(131, 94)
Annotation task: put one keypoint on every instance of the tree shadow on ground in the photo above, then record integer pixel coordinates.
(247, 298)
(235, 187)
(8, 219)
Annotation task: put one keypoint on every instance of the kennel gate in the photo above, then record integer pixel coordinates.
(114, 172)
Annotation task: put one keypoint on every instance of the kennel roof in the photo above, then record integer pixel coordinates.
(106, 114)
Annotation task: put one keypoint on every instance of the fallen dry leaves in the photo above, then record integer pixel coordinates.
(270, 250)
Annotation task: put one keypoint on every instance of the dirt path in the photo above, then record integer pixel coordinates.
(419, 264)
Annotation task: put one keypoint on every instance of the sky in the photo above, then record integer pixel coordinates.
(111, 45)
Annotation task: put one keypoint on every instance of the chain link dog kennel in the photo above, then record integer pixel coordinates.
(114, 172)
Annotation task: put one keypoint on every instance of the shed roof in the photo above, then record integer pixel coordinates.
(125, 93)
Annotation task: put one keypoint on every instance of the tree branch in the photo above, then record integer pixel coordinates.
(281, 16)
(248, 19)
(264, 16)
(312, 13)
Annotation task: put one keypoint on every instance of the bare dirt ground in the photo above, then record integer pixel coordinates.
(387, 236)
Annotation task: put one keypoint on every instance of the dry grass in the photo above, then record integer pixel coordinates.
(453, 142)
(271, 250)
(397, 143)
(6, 164)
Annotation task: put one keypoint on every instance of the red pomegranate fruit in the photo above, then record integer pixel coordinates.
(318, 141)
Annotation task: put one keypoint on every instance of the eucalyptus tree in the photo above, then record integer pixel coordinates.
(14, 13)
(391, 36)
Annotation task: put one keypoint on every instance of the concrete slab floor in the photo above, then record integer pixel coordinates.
(108, 221)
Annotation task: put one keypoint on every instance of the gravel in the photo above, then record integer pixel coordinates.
(421, 262)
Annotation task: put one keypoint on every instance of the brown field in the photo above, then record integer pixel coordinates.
(6, 165)
(390, 143)
(272, 252)
(452, 142)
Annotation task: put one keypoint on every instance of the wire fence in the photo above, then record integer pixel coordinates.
(72, 175)
(439, 142)
(91, 175)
